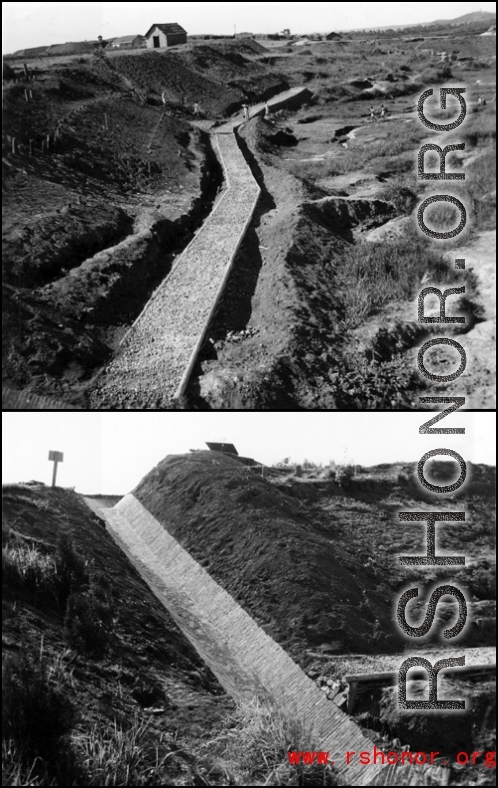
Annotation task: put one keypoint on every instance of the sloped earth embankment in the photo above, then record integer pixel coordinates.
(102, 189)
(64, 307)
(269, 552)
(149, 663)
(219, 76)
(274, 547)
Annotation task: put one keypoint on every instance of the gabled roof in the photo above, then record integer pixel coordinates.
(126, 39)
(226, 448)
(172, 29)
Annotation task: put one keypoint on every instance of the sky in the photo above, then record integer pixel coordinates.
(40, 24)
(109, 453)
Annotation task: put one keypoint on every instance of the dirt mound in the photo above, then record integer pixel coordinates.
(71, 48)
(284, 138)
(37, 253)
(268, 550)
(361, 83)
(341, 215)
(219, 77)
(119, 187)
(148, 661)
(472, 731)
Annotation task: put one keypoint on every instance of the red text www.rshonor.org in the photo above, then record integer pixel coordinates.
(392, 758)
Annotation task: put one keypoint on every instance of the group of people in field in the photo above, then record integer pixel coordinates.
(246, 111)
(198, 112)
(382, 113)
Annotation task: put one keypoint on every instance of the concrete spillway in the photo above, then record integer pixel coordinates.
(246, 661)
(157, 355)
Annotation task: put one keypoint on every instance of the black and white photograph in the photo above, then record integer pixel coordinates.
(248, 600)
(248, 206)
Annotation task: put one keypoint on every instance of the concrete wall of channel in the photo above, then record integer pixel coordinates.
(25, 400)
(244, 658)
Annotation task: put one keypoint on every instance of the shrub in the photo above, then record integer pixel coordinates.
(147, 692)
(403, 478)
(344, 474)
(362, 384)
(252, 749)
(37, 717)
(372, 274)
(71, 570)
(29, 570)
(38, 503)
(403, 197)
(88, 622)
(123, 757)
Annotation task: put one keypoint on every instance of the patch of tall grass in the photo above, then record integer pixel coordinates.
(252, 749)
(125, 757)
(373, 274)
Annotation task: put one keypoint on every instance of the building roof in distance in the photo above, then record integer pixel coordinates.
(126, 39)
(226, 448)
(171, 29)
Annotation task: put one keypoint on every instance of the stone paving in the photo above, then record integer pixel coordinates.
(158, 353)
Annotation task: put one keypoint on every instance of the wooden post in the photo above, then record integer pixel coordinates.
(48, 141)
(56, 457)
(31, 147)
(26, 71)
(352, 696)
(13, 145)
(26, 95)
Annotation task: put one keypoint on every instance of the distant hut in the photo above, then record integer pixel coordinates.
(332, 36)
(160, 36)
(127, 42)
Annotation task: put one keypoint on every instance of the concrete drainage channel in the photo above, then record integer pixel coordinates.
(246, 661)
(158, 354)
(19, 400)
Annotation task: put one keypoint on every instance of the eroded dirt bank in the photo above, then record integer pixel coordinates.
(320, 308)
(103, 187)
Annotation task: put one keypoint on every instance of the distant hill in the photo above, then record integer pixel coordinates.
(474, 16)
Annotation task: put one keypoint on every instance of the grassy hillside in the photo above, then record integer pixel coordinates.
(312, 559)
(93, 664)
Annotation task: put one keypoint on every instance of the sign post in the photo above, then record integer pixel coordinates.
(56, 456)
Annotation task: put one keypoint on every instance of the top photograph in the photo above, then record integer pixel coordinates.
(249, 206)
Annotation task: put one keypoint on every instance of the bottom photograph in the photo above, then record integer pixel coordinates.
(248, 599)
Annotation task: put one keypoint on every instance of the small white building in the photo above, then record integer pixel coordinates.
(127, 42)
(161, 36)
